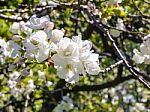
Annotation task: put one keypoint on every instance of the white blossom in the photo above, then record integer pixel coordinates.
(31, 49)
(138, 58)
(30, 87)
(15, 28)
(92, 64)
(65, 105)
(43, 51)
(144, 54)
(56, 35)
(140, 106)
(40, 23)
(128, 98)
(12, 83)
(89, 59)
(70, 65)
(120, 25)
(76, 58)
(24, 28)
(84, 47)
(146, 37)
(48, 83)
(68, 69)
(48, 26)
(2, 58)
(38, 37)
(3, 45)
(41, 74)
(37, 46)
(18, 27)
(1, 76)
(71, 57)
(13, 48)
(58, 108)
(14, 75)
(10, 48)
(68, 49)
(43, 2)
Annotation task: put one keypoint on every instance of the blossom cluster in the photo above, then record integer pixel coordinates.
(37, 40)
(143, 56)
(125, 93)
(65, 105)
(16, 88)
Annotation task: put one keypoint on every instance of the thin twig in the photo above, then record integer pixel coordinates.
(111, 67)
(117, 51)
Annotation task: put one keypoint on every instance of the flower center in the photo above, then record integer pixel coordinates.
(69, 67)
(34, 41)
(67, 52)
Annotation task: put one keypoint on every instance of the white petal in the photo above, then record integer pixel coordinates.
(92, 68)
(38, 37)
(43, 52)
(137, 57)
(15, 28)
(24, 28)
(56, 35)
(38, 23)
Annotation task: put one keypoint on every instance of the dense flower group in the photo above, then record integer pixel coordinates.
(144, 54)
(16, 88)
(41, 41)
